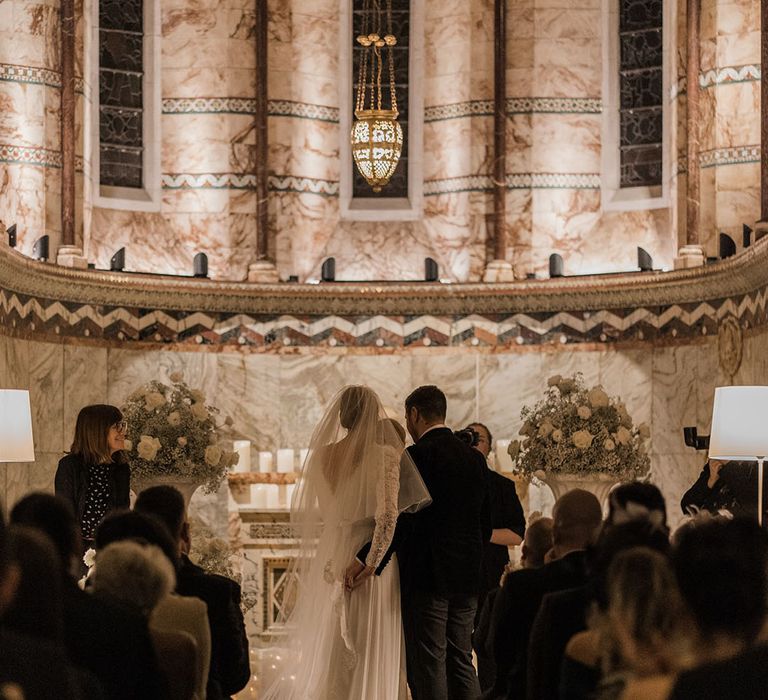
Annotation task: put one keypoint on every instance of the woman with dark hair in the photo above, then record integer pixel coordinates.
(94, 477)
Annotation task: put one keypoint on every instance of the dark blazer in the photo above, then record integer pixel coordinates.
(440, 548)
(111, 642)
(561, 615)
(734, 491)
(442, 552)
(743, 676)
(506, 513)
(230, 667)
(514, 612)
(71, 482)
(39, 667)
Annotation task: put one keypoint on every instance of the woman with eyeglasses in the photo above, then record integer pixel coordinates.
(94, 477)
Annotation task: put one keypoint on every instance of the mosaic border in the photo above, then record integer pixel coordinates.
(729, 156)
(199, 181)
(726, 75)
(247, 105)
(515, 105)
(514, 181)
(278, 333)
(32, 75)
(303, 185)
(24, 155)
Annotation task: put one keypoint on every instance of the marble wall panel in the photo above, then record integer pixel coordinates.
(249, 390)
(127, 370)
(85, 383)
(736, 122)
(46, 379)
(457, 378)
(565, 143)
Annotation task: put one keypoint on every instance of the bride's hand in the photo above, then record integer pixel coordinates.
(356, 573)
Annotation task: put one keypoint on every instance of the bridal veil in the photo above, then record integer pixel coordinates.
(356, 479)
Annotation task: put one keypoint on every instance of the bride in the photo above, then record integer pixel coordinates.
(356, 480)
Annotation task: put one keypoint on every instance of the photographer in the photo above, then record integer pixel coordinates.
(508, 522)
(725, 486)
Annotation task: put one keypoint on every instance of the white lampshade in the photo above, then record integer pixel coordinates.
(739, 423)
(16, 444)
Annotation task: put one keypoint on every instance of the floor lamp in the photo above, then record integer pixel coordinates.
(16, 443)
(740, 429)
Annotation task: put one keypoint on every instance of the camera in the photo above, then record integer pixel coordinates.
(467, 436)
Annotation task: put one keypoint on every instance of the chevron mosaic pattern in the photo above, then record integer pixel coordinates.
(515, 181)
(729, 156)
(20, 314)
(247, 105)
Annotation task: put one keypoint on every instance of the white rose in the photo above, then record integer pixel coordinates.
(623, 436)
(148, 447)
(609, 445)
(566, 386)
(557, 435)
(597, 397)
(584, 412)
(514, 449)
(213, 455)
(526, 429)
(199, 411)
(181, 441)
(233, 458)
(153, 400)
(228, 421)
(644, 431)
(127, 445)
(174, 419)
(197, 396)
(582, 439)
(624, 418)
(554, 380)
(176, 377)
(89, 558)
(546, 428)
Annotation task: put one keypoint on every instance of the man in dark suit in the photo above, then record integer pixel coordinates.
(110, 641)
(577, 516)
(230, 667)
(439, 550)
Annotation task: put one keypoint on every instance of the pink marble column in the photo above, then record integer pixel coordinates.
(263, 269)
(499, 269)
(692, 254)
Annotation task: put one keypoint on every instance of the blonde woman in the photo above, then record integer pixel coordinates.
(94, 477)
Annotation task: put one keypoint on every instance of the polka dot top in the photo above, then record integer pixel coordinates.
(96, 499)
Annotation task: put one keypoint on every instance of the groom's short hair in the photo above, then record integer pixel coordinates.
(429, 401)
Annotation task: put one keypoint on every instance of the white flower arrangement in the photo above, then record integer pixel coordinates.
(575, 430)
(173, 432)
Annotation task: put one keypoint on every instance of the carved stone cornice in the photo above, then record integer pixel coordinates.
(741, 274)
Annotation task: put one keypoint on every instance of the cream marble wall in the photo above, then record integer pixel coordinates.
(276, 399)
(29, 120)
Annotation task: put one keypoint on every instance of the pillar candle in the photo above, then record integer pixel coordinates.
(285, 461)
(243, 448)
(265, 462)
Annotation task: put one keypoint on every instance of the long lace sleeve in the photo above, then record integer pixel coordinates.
(386, 509)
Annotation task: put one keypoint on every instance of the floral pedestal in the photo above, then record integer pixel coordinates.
(598, 484)
(187, 486)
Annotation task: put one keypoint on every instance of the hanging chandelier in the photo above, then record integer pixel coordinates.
(377, 139)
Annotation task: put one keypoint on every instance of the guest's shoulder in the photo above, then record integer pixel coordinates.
(70, 461)
(652, 688)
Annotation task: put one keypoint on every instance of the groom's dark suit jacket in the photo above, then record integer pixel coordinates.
(440, 548)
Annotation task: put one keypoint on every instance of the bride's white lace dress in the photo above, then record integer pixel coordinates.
(349, 645)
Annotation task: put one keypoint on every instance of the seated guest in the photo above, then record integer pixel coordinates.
(229, 665)
(140, 576)
(31, 668)
(111, 642)
(38, 608)
(576, 520)
(720, 567)
(564, 613)
(636, 628)
(725, 486)
(173, 613)
(537, 542)
(508, 522)
(94, 477)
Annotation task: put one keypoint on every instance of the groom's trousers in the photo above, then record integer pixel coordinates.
(438, 645)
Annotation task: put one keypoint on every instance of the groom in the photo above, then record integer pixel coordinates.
(439, 550)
